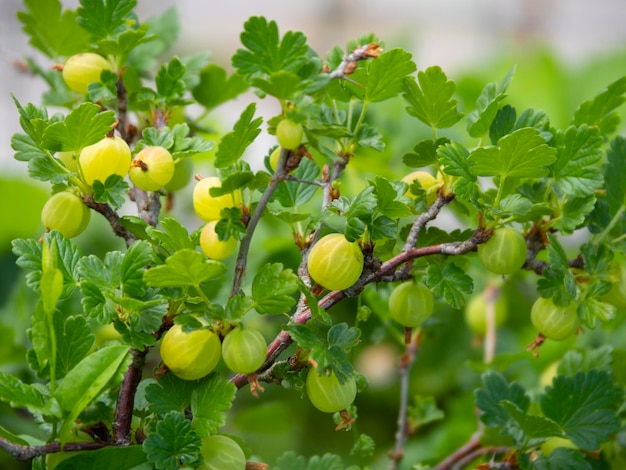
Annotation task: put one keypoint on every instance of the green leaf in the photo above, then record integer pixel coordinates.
(173, 443)
(573, 213)
(424, 153)
(210, 401)
(214, 88)
(113, 191)
(51, 30)
(173, 237)
(105, 459)
(615, 183)
(83, 126)
(430, 98)
(589, 414)
(291, 461)
(576, 171)
(601, 110)
(561, 458)
(104, 18)
(387, 73)
(124, 43)
(265, 52)
(423, 411)
(20, 395)
(86, 381)
(184, 268)
(44, 168)
(29, 253)
(479, 121)
(454, 158)
(169, 393)
(593, 310)
(586, 360)
(495, 389)
(27, 148)
(169, 80)
(522, 154)
(273, 288)
(138, 256)
(503, 124)
(451, 283)
(74, 340)
(533, 426)
(369, 137)
(390, 197)
(364, 447)
(343, 337)
(294, 193)
(557, 282)
(233, 144)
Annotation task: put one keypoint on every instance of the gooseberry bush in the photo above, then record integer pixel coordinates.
(256, 279)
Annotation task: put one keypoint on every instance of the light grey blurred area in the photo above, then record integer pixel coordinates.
(455, 34)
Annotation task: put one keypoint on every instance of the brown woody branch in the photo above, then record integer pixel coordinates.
(28, 452)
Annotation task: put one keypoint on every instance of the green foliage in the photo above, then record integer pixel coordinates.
(89, 313)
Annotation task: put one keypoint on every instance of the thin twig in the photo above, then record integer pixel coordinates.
(244, 247)
(126, 397)
(406, 362)
(28, 452)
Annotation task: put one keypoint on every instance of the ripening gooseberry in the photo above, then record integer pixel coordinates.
(110, 156)
(334, 262)
(505, 252)
(212, 246)
(190, 356)
(411, 303)
(152, 168)
(426, 181)
(244, 350)
(553, 321)
(289, 134)
(207, 207)
(221, 453)
(326, 392)
(67, 213)
(82, 69)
